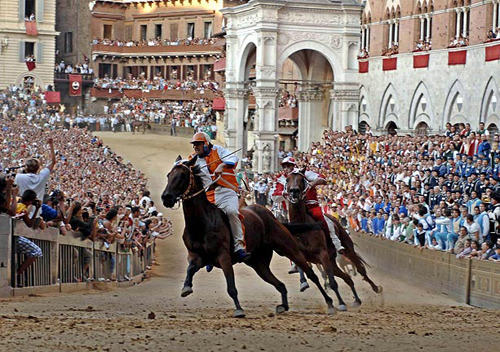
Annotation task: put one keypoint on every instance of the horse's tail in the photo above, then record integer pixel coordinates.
(347, 242)
(299, 228)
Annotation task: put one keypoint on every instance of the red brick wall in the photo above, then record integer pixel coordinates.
(443, 26)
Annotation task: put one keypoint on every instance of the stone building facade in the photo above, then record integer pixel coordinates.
(417, 90)
(321, 38)
(16, 44)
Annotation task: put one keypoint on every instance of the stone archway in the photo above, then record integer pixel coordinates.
(312, 83)
(37, 81)
(281, 30)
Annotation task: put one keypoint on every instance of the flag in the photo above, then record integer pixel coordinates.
(31, 28)
(31, 65)
(85, 58)
(75, 85)
(53, 97)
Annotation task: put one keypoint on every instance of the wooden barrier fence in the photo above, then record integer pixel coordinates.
(466, 280)
(68, 262)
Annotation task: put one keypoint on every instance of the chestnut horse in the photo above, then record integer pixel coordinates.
(317, 246)
(207, 236)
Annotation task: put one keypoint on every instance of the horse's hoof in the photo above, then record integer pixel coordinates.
(281, 309)
(331, 311)
(186, 291)
(356, 304)
(239, 313)
(304, 286)
(342, 308)
(379, 289)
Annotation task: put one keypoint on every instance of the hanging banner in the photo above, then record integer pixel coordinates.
(75, 85)
(53, 97)
(31, 65)
(31, 28)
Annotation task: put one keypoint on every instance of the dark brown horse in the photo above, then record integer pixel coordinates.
(208, 238)
(317, 246)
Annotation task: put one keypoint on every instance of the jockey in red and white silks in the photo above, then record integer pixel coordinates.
(311, 198)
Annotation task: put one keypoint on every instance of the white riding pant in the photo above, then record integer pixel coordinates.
(333, 234)
(226, 199)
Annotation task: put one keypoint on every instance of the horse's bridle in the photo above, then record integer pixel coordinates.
(192, 182)
(302, 194)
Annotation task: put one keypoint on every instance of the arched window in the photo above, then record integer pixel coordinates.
(391, 128)
(422, 129)
(492, 128)
(362, 127)
(29, 83)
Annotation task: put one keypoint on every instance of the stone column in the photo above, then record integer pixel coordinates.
(458, 24)
(396, 32)
(265, 129)
(422, 20)
(363, 34)
(390, 34)
(495, 9)
(236, 108)
(464, 24)
(310, 108)
(345, 97)
(428, 27)
(368, 39)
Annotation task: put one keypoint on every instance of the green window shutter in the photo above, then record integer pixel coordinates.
(21, 10)
(39, 53)
(21, 51)
(39, 10)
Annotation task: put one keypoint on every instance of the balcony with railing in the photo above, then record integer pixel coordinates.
(163, 50)
(64, 78)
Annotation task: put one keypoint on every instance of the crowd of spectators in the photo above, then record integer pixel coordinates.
(363, 54)
(157, 83)
(79, 68)
(493, 35)
(287, 99)
(423, 45)
(438, 192)
(70, 180)
(459, 42)
(155, 42)
(391, 50)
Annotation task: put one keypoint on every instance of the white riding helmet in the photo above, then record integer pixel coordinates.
(289, 160)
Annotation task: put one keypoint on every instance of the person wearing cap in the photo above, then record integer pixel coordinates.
(469, 167)
(216, 162)
(496, 164)
(486, 166)
(494, 216)
(481, 185)
(495, 183)
(312, 203)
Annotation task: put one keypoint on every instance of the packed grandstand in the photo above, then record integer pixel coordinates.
(435, 192)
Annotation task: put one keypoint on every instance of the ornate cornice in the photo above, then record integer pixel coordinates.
(344, 94)
(311, 95)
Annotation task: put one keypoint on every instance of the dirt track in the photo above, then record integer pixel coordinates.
(403, 318)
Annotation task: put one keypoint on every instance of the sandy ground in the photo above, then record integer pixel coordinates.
(403, 318)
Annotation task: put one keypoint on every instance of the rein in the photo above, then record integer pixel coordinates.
(192, 181)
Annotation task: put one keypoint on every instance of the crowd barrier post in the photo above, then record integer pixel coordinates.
(104, 261)
(74, 255)
(44, 271)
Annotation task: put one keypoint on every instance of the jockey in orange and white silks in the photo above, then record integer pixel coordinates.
(312, 204)
(223, 193)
